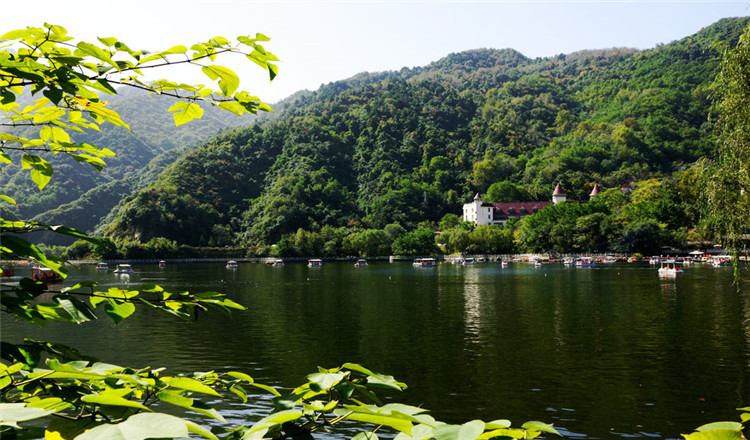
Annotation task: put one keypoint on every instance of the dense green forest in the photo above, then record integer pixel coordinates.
(82, 196)
(376, 163)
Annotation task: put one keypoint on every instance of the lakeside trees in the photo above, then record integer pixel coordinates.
(411, 146)
(725, 181)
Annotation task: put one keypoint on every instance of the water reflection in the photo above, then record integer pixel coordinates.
(472, 304)
(601, 352)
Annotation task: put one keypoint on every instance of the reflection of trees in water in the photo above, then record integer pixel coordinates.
(472, 305)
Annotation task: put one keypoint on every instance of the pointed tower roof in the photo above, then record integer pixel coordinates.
(478, 197)
(595, 191)
(558, 191)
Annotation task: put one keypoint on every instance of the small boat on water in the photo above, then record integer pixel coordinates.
(569, 261)
(124, 269)
(361, 263)
(315, 262)
(469, 262)
(162, 264)
(669, 268)
(424, 262)
(585, 262)
(278, 263)
(7, 271)
(503, 263)
(719, 261)
(654, 260)
(231, 264)
(45, 274)
(609, 260)
(102, 266)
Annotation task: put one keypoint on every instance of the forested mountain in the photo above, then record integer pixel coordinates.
(410, 146)
(80, 195)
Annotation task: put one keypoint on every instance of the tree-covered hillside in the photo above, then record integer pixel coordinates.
(85, 199)
(413, 145)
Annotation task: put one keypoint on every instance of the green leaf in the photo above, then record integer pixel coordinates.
(376, 419)
(241, 376)
(365, 436)
(228, 80)
(175, 399)
(190, 384)
(185, 112)
(267, 388)
(41, 170)
(720, 425)
(51, 403)
(11, 413)
(198, 429)
(418, 432)
(112, 399)
(139, 427)
(78, 311)
(496, 424)
(275, 419)
(322, 382)
(715, 434)
(7, 199)
(539, 426)
(118, 310)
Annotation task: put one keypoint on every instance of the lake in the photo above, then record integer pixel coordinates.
(607, 352)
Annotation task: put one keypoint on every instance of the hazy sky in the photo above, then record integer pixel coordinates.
(319, 42)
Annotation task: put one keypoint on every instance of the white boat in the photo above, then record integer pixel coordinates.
(720, 261)
(669, 268)
(609, 260)
(503, 263)
(469, 262)
(361, 263)
(124, 269)
(585, 262)
(569, 261)
(314, 263)
(102, 266)
(654, 260)
(231, 264)
(162, 264)
(278, 263)
(424, 262)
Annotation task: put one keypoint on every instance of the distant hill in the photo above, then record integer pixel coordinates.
(81, 196)
(412, 145)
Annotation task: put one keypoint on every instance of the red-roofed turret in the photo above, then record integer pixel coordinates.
(558, 196)
(558, 191)
(595, 192)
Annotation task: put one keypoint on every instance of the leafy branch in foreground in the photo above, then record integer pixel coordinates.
(101, 401)
(71, 77)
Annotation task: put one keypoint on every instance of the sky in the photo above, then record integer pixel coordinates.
(319, 42)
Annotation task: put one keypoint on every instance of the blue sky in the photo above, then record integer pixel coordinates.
(319, 42)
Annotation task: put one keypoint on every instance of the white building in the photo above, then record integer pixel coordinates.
(481, 213)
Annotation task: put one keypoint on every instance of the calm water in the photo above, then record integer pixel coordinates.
(607, 352)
